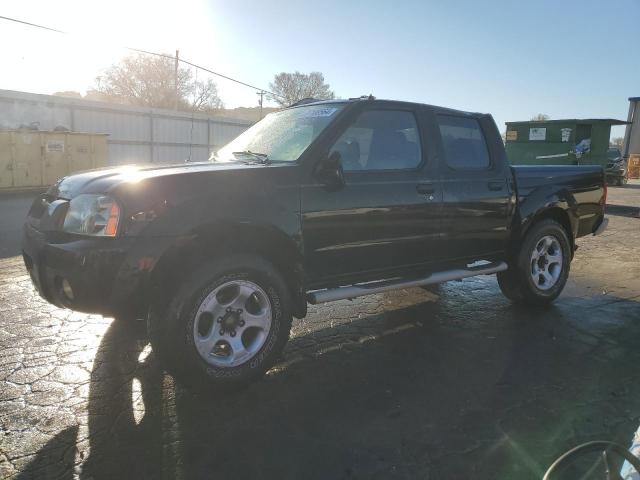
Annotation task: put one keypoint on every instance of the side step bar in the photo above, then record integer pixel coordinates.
(358, 290)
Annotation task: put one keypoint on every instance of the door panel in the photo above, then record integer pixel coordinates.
(369, 225)
(474, 218)
(6, 160)
(79, 153)
(382, 220)
(27, 167)
(476, 196)
(56, 158)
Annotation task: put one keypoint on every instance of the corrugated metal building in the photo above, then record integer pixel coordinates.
(632, 133)
(136, 134)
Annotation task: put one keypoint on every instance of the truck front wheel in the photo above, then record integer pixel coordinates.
(540, 269)
(226, 325)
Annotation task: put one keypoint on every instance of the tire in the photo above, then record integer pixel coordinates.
(509, 286)
(196, 336)
(619, 182)
(538, 278)
(127, 318)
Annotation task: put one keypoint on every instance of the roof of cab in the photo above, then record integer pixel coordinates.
(579, 121)
(387, 102)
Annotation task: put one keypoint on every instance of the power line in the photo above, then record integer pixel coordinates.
(205, 69)
(147, 52)
(32, 24)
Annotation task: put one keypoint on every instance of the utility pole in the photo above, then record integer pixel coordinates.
(175, 81)
(261, 93)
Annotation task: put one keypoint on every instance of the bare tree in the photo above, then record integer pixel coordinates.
(541, 117)
(150, 81)
(293, 87)
(205, 96)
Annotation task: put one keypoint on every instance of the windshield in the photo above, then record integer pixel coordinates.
(281, 136)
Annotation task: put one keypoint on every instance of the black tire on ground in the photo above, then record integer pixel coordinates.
(509, 286)
(128, 314)
(620, 181)
(127, 318)
(518, 282)
(171, 329)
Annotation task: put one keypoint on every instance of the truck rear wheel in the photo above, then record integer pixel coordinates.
(509, 286)
(540, 268)
(226, 325)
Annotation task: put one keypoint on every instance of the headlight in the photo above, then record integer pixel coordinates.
(92, 215)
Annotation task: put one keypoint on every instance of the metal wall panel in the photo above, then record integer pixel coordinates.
(179, 154)
(136, 135)
(119, 126)
(632, 132)
(178, 130)
(224, 133)
(128, 154)
(14, 113)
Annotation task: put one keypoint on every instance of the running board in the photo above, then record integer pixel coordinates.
(358, 290)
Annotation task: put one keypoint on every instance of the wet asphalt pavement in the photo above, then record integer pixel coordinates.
(13, 210)
(448, 385)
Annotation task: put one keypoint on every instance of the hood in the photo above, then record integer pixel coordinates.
(105, 180)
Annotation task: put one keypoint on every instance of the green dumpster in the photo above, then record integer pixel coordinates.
(559, 142)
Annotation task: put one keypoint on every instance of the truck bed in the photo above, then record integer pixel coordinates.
(579, 187)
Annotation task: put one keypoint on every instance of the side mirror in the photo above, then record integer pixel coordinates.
(330, 172)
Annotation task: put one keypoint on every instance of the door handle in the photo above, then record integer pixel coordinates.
(425, 188)
(496, 186)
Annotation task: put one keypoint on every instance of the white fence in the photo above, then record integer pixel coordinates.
(136, 135)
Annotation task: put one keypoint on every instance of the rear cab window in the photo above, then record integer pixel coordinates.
(464, 143)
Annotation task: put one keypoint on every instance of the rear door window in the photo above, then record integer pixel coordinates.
(465, 147)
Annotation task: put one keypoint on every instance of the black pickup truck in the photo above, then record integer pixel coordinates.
(318, 202)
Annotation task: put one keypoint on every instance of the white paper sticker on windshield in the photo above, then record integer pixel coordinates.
(320, 112)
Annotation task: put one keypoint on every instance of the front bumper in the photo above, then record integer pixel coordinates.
(99, 271)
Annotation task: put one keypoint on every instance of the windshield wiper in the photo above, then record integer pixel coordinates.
(262, 158)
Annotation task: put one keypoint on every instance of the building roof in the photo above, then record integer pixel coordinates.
(580, 121)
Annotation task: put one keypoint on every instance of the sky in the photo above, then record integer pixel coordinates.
(513, 59)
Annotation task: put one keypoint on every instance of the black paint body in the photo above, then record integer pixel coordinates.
(378, 225)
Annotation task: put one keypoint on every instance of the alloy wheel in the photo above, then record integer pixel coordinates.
(232, 323)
